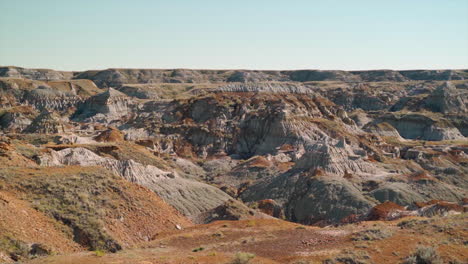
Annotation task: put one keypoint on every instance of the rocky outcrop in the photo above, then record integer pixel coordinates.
(447, 99)
(317, 75)
(230, 210)
(362, 96)
(334, 159)
(266, 88)
(188, 196)
(105, 107)
(385, 211)
(47, 98)
(270, 207)
(381, 76)
(118, 77)
(433, 75)
(311, 199)
(46, 123)
(314, 145)
(418, 126)
(105, 78)
(139, 92)
(406, 194)
(382, 129)
(61, 96)
(110, 135)
(15, 121)
(35, 74)
(75, 139)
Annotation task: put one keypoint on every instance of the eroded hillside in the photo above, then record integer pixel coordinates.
(124, 158)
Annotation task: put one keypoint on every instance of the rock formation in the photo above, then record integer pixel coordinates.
(447, 99)
(315, 146)
(188, 196)
(104, 107)
(46, 122)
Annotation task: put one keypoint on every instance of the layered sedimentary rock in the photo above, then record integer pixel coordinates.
(420, 126)
(320, 145)
(117, 77)
(335, 159)
(35, 74)
(108, 106)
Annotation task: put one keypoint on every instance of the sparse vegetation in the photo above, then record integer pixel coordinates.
(198, 249)
(349, 257)
(17, 250)
(411, 223)
(424, 255)
(74, 198)
(372, 234)
(242, 258)
(248, 143)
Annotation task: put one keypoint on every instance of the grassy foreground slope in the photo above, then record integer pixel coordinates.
(436, 240)
(75, 208)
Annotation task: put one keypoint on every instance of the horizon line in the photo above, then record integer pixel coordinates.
(239, 69)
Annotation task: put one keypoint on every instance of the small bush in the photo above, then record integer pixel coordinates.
(218, 234)
(99, 253)
(243, 258)
(424, 255)
(198, 249)
(17, 249)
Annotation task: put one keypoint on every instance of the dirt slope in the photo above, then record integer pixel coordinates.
(276, 241)
(63, 207)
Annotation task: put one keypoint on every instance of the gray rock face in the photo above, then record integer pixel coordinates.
(440, 75)
(316, 75)
(381, 75)
(230, 210)
(117, 77)
(255, 76)
(266, 88)
(343, 199)
(188, 196)
(406, 194)
(362, 96)
(398, 192)
(105, 78)
(417, 126)
(46, 98)
(258, 135)
(382, 129)
(448, 99)
(138, 92)
(14, 122)
(105, 107)
(46, 123)
(35, 74)
(334, 159)
(303, 196)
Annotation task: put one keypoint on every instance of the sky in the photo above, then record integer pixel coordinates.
(240, 34)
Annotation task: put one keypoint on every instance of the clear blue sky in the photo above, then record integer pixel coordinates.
(255, 34)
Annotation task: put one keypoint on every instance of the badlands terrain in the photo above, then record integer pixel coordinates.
(233, 166)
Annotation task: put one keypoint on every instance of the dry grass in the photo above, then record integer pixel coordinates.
(97, 207)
